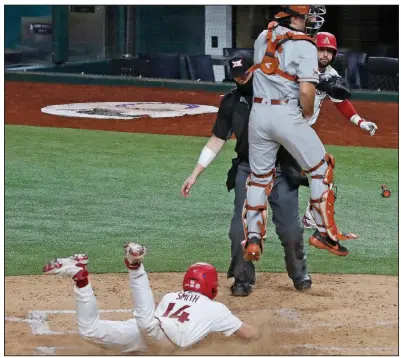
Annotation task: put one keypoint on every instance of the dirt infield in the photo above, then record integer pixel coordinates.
(340, 315)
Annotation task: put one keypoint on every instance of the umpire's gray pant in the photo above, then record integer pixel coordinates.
(285, 215)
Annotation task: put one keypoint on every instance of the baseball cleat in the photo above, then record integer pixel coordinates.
(134, 255)
(324, 242)
(241, 289)
(73, 266)
(253, 249)
(308, 221)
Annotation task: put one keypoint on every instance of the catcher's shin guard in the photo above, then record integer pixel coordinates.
(253, 243)
(324, 207)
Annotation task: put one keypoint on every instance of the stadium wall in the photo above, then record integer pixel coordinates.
(183, 85)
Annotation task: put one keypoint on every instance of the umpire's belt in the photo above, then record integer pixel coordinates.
(270, 101)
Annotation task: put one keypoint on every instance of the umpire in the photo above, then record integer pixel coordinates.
(232, 118)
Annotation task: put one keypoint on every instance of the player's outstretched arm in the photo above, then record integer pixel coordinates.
(349, 112)
(247, 332)
(209, 152)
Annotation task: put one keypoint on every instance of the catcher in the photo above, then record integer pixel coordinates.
(331, 85)
(180, 320)
(233, 117)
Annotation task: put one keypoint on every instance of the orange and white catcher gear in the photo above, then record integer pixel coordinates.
(327, 234)
(253, 247)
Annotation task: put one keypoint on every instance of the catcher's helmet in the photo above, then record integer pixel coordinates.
(327, 40)
(201, 277)
(313, 14)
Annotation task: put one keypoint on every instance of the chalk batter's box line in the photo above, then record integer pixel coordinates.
(39, 324)
(44, 351)
(38, 319)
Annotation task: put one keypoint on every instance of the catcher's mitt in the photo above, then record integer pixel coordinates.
(334, 86)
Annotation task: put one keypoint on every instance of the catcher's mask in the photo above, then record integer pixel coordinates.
(313, 14)
(201, 277)
(327, 40)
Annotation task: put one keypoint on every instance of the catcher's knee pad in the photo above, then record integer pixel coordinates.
(328, 176)
(325, 204)
(262, 208)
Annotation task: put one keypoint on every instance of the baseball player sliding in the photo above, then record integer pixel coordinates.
(327, 50)
(179, 321)
(285, 78)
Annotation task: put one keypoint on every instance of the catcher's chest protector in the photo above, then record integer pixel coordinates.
(270, 63)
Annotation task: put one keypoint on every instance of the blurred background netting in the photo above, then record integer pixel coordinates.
(190, 42)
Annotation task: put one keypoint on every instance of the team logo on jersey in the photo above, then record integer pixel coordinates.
(326, 41)
(127, 110)
(268, 64)
(237, 63)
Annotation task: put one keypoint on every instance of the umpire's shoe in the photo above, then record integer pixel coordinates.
(304, 284)
(241, 289)
(324, 242)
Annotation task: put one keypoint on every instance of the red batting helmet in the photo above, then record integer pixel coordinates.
(201, 277)
(327, 40)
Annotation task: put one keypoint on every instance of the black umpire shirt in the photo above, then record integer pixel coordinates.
(233, 117)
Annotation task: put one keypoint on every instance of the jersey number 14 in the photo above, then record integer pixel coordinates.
(180, 314)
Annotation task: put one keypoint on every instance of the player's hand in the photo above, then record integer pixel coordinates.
(369, 127)
(186, 187)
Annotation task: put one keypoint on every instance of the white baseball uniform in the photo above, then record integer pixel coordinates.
(180, 320)
(319, 98)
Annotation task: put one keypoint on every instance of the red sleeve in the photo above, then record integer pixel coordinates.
(346, 108)
(348, 111)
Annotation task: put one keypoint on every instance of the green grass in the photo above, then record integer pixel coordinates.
(70, 191)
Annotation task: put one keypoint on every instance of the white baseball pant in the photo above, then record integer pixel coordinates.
(126, 336)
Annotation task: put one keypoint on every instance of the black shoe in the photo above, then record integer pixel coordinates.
(304, 284)
(241, 289)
